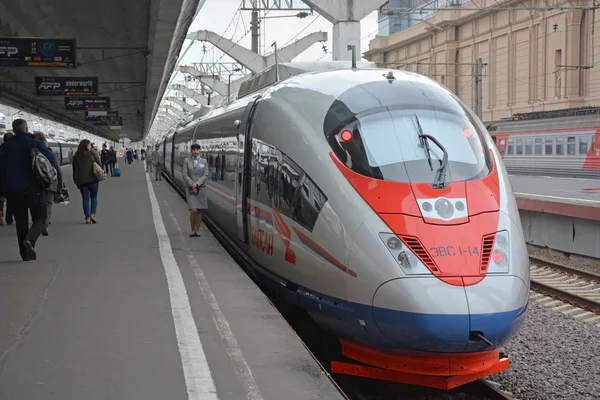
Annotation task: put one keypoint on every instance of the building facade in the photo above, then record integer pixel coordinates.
(533, 60)
(410, 12)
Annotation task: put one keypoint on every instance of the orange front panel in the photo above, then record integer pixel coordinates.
(382, 196)
(456, 250)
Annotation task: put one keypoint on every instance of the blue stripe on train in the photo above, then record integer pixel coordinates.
(395, 329)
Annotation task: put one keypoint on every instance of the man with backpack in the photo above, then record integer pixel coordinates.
(25, 172)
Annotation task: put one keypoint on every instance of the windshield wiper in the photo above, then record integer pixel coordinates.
(424, 143)
(440, 176)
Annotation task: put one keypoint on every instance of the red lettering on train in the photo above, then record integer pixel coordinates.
(262, 240)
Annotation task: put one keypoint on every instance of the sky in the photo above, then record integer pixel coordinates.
(216, 16)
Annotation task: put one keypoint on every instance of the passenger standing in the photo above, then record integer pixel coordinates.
(112, 159)
(8, 216)
(156, 163)
(86, 181)
(21, 188)
(53, 188)
(195, 174)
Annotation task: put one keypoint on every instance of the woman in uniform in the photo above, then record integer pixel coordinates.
(195, 174)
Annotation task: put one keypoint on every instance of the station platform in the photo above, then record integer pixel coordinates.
(569, 197)
(132, 308)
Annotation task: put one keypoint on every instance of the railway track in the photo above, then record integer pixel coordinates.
(570, 285)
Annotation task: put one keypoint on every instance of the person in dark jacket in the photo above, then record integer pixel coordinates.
(5, 217)
(84, 178)
(21, 188)
(112, 159)
(53, 188)
(104, 158)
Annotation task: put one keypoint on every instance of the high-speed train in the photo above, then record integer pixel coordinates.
(553, 143)
(376, 201)
(63, 151)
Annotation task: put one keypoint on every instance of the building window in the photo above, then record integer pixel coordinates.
(560, 146)
(511, 147)
(529, 146)
(557, 73)
(519, 147)
(571, 145)
(538, 146)
(583, 145)
(548, 145)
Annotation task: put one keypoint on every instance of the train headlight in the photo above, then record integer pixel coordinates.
(410, 264)
(499, 260)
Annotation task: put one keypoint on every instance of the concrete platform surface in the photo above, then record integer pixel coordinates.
(132, 308)
(569, 197)
(576, 191)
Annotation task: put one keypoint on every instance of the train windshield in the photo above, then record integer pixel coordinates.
(407, 141)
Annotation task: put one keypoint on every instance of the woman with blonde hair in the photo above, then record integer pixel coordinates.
(53, 188)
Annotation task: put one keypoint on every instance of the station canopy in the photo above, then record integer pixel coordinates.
(122, 50)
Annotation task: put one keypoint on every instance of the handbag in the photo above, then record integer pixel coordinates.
(98, 171)
(61, 196)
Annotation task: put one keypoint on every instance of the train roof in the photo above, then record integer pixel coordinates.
(330, 79)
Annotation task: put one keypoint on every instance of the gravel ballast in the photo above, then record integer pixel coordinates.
(553, 357)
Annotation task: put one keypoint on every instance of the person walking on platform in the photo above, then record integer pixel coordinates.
(53, 188)
(86, 181)
(149, 159)
(5, 217)
(156, 163)
(22, 189)
(195, 174)
(112, 160)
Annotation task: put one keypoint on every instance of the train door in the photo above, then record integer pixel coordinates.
(243, 170)
(501, 143)
(172, 150)
(60, 154)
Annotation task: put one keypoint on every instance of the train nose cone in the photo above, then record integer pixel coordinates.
(423, 314)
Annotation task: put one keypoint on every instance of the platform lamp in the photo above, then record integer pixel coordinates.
(229, 83)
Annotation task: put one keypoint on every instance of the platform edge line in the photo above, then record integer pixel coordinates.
(198, 378)
(234, 351)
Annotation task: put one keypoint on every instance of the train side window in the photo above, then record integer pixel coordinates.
(571, 145)
(593, 145)
(583, 145)
(502, 147)
(548, 145)
(560, 146)
(519, 151)
(538, 146)
(510, 150)
(308, 202)
(288, 179)
(529, 146)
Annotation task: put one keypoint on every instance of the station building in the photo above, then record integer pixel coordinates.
(535, 60)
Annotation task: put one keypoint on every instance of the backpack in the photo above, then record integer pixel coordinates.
(43, 170)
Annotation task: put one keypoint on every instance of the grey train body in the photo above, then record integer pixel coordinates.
(63, 151)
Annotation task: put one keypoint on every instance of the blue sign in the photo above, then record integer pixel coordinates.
(37, 52)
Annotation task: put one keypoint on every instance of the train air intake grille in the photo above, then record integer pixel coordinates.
(414, 244)
(486, 251)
